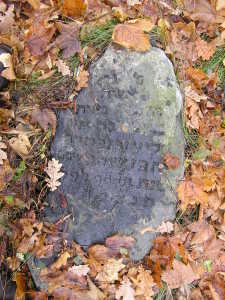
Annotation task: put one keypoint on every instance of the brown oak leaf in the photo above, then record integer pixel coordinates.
(68, 39)
(190, 192)
(180, 275)
(204, 49)
(44, 118)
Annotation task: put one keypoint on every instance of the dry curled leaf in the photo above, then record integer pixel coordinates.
(53, 171)
(125, 291)
(171, 161)
(44, 118)
(131, 37)
(62, 67)
(68, 39)
(21, 144)
(181, 275)
(3, 155)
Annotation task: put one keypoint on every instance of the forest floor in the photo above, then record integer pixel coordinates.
(46, 47)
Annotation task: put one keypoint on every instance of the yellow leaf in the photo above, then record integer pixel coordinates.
(130, 37)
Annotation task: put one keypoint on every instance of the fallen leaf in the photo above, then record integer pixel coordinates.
(191, 193)
(20, 287)
(28, 243)
(5, 116)
(171, 161)
(203, 232)
(117, 241)
(53, 171)
(6, 60)
(62, 67)
(40, 33)
(34, 3)
(144, 284)
(81, 270)
(125, 291)
(7, 19)
(61, 261)
(191, 93)
(220, 4)
(99, 252)
(6, 174)
(205, 50)
(131, 37)
(82, 79)
(180, 276)
(68, 39)
(21, 144)
(94, 293)
(44, 118)
(74, 8)
(3, 155)
(165, 227)
(197, 76)
(145, 25)
(200, 10)
(133, 2)
(111, 270)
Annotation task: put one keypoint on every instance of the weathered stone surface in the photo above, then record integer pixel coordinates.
(126, 120)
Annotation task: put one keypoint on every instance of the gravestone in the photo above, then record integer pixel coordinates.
(112, 150)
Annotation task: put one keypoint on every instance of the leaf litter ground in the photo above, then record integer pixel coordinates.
(53, 44)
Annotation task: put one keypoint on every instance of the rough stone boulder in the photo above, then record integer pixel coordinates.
(112, 150)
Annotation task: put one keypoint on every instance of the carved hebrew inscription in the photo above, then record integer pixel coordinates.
(112, 165)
